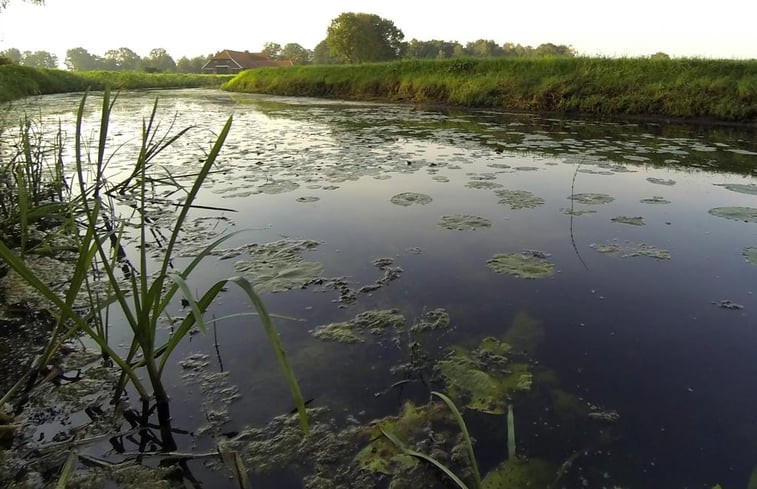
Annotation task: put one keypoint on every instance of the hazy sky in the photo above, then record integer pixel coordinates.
(722, 29)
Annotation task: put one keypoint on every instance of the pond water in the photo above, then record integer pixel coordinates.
(623, 254)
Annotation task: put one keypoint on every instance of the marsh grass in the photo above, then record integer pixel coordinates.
(687, 88)
(142, 289)
(22, 81)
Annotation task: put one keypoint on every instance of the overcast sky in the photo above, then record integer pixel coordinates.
(722, 29)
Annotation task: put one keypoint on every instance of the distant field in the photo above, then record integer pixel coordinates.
(723, 90)
(21, 81)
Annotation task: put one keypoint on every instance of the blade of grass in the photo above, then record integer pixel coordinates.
(466, 436)
(445, 470)
(68, 469)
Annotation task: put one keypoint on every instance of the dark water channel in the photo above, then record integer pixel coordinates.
(646, 326)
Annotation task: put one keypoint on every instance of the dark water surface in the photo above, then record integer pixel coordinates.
(641, 336)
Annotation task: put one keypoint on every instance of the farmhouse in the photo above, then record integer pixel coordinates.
(228, 61)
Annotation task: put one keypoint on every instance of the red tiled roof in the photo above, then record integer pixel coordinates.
(246, 59)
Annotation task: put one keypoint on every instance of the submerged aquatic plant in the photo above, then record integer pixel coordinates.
(434, 462)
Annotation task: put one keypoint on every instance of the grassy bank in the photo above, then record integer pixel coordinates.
(21, 81)
(689, 88)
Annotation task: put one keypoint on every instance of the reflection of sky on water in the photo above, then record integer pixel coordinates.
(640, 336)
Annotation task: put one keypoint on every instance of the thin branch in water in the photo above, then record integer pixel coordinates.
(572, 203)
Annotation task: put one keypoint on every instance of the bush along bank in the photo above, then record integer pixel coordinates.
(723, 90)
(22, 81)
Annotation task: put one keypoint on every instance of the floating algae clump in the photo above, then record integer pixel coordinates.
(432, 321)
(591, 199)
(277, 266)
(519, 199)
(411, 426)
(746, 214)
(308, 198)
(483, 379)
(520, 473)
(661, 181)
(528, 264)
(374, 322)
(629, 249)
(751, 255)
(655, 200)
(576, 212)
(406, 199)
(279, 187)
(741, 188)
(633, 221)
(462, 222)
(343, 332)
(483, 184)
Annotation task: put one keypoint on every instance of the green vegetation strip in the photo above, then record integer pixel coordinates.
(22, 81)
(693, 88)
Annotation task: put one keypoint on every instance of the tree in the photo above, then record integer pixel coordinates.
(659, 55)
(79, 59)
(296, 53)
(483, 48)
(191, 65)
(430, 49)
(322, 55)
(272, 50)
(549, 49)
(4, 3)
(39, 59)
(159, 61)
(360, 38)
(12, 54)
(122, 59)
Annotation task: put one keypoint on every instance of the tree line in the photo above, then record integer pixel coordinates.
(360, 38)
(351, 38)
(121, 59)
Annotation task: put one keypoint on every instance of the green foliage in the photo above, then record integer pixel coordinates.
(79, 59)
(272, 50)
(122, 59)
(4, 3)
(296, 53)
(362, 38)
(159, 61)
(39, 59)
(21, 81)
(12, 54)
(191, 65)
(687, 88)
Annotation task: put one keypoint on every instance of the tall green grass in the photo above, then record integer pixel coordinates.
(142, 289)
(22, 81)
(686, 88)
